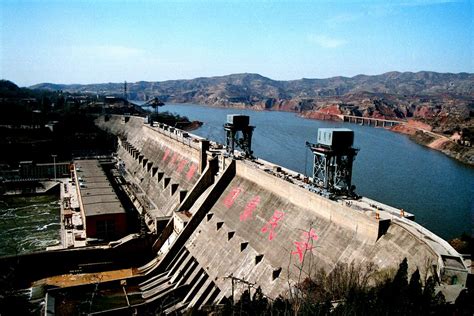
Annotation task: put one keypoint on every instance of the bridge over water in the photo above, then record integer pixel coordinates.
(369, 120)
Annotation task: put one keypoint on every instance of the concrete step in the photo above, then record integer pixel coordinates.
(155, 283)
(183, 268)
(221, 296)
(196, 286)
(157, 290)
(168, 272)
(203, 292)
(183, 252)
(190, 273)
(148, 266)
(176, 309)
(166, 295)
(210, 298)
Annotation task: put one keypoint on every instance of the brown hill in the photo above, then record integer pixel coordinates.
(444, 100)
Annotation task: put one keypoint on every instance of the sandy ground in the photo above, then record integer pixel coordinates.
(439, 143)
(84, 278)
(413, 126)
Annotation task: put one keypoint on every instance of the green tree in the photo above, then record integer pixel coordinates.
(414, 292)
(464, 304)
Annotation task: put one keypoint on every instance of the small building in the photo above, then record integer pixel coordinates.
(105, 217)
(116, 101)
(31, 169)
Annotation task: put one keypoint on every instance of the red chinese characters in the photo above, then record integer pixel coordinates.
(173, 159)
(191, 171)
(167, 153)
(251, 206)
(181, 165)
(305, 244)
(270, 226)
(232, 196)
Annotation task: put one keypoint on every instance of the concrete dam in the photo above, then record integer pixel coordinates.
(225, 224)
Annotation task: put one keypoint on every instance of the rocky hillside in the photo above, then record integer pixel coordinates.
(251, 88)
(441, 99)
(441, 102)
(248, 88)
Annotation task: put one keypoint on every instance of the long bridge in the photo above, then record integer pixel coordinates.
(369, 120)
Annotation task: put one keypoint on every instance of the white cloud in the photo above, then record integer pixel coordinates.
(326, 41)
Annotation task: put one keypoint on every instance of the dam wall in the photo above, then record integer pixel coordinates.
(364, 228)
(236, 226)
(162, 164)
(257, 232)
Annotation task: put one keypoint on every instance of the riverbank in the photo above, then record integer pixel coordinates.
(172, 119)
(193, 125)
(422, 134)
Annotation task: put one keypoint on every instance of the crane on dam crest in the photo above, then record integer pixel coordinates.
(332, 164)
(239, 125)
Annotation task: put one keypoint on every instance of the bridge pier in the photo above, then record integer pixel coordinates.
(370, 121)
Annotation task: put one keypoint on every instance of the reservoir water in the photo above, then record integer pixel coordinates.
(389, 167)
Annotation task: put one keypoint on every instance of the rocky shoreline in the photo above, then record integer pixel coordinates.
(422, 134)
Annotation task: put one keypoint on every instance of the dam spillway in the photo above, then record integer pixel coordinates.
(218, 219)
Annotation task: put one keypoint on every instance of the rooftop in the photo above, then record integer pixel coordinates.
(98, 196)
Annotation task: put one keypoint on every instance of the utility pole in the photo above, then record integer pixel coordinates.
(54, 165)
(235, 280)
(125, 93)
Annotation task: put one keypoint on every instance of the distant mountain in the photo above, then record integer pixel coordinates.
(253, 88)
(10, 90)
(443, 100)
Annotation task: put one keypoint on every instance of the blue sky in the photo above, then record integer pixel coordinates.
(112, 41)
